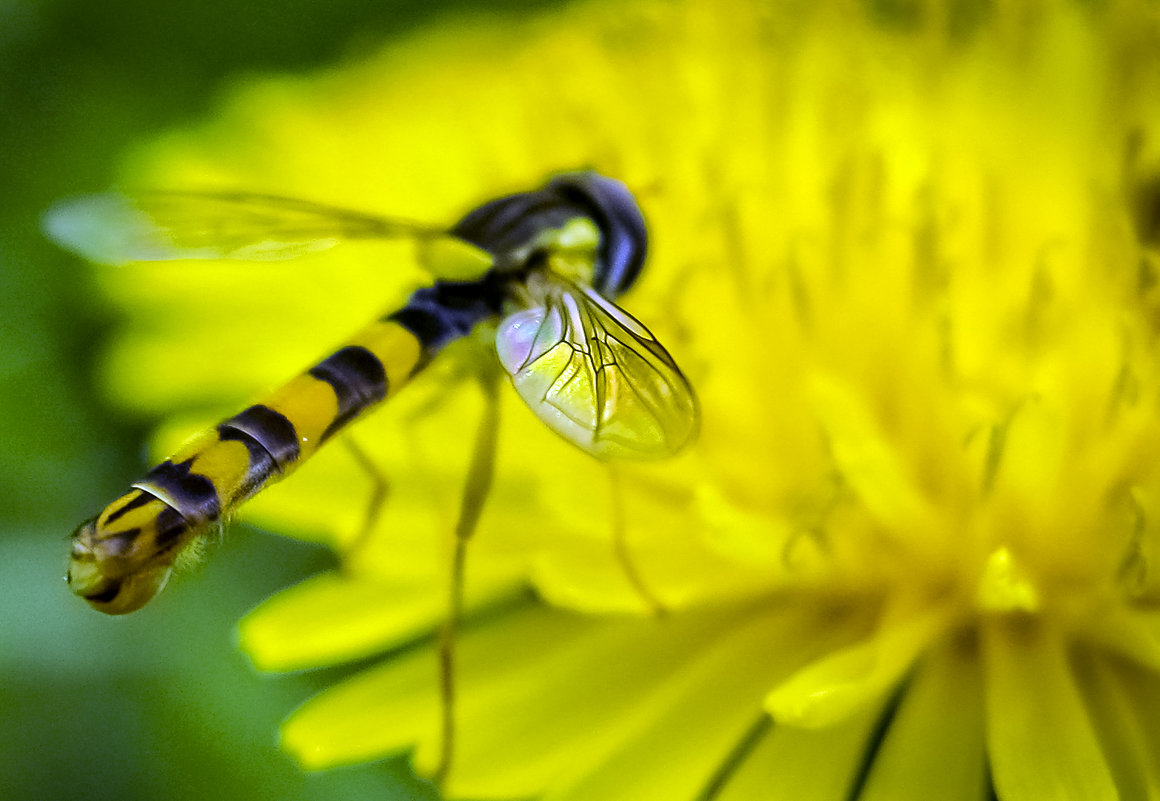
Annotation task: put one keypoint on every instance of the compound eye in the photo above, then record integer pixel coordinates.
(624, 236)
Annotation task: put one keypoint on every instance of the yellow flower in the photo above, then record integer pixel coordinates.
(896, 251)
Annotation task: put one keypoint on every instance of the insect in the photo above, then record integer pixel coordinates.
(548, 265)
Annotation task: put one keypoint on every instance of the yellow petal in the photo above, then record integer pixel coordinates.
(792, 764)
(683, 732)
(1130, 632)
(933, 748)
(589, 684)
(380, 711)
(856, 676)
(1040, 740)
(1123, 702)
(867, 459)
(332, 618)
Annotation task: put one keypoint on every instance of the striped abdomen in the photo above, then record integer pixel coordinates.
(123, 557)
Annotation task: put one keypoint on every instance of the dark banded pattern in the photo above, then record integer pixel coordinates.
(136, 503)
(165, 533)
(447, 310)
(122, 558)
(262, 465)
(170, 528)
(269, 429)
(193, 496)
(119, 544)
(358, 379)
(425, 324)
(105, 595)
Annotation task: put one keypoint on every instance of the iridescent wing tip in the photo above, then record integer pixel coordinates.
(105, 228)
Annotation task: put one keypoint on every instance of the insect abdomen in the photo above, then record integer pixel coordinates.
(123, 557)
(222, 467)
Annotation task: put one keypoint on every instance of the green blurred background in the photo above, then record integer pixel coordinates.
(157, 705)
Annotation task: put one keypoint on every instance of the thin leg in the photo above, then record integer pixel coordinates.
(379, 489)
(620, 545)
(475, 492)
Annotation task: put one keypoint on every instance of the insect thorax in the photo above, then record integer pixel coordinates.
(588, 225)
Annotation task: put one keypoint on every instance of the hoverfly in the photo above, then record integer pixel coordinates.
(551, 263)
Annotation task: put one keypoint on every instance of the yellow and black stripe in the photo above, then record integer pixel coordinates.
(122, 558)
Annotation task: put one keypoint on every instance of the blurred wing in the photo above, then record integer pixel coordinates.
(596, 376)
(159, 226)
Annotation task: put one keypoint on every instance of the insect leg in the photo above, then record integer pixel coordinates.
(475, 492)
(380, 487)
(620, 545)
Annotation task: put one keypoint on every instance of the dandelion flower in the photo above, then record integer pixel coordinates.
(903, 253)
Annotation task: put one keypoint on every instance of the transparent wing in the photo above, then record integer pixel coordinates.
(595, 375)
(112, 228)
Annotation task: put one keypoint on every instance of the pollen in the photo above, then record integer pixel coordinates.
(1004, 588)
